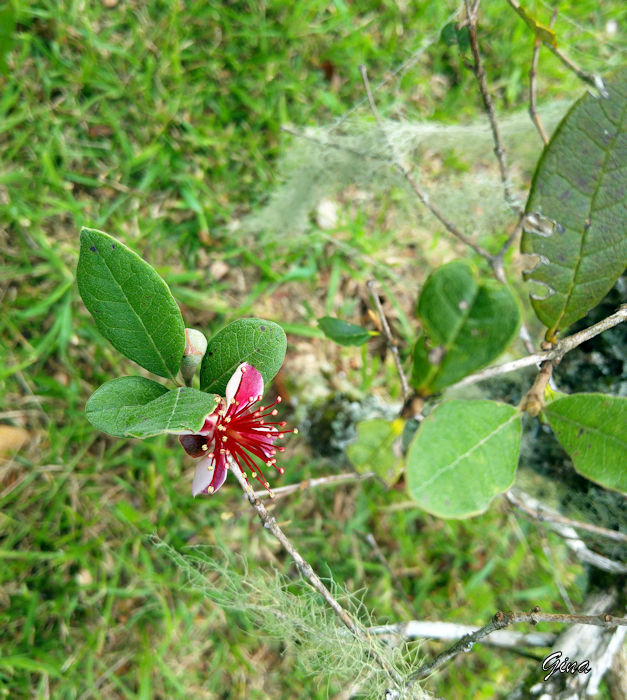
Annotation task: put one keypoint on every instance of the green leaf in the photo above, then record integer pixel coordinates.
(342, 332)
(260, 343)
(140, 408)
(113, 406)
(448, 35)
(577, 208)
(464, 454)
(467, 323)
(180, 410)
(374, 448)
(131, 304)
(592, 428)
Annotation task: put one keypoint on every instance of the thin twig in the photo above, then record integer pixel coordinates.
(497, 262)
(422, 196)
(449, 631)
(479, 71)
(307, 484)
(533, 113)
(534, 400)
(502, 620)
(575, 543)
(583, 75)
(543, 514)
(306, 570)
(389, 339)
(556, 353)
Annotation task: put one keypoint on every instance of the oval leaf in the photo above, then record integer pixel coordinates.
(578, 200)
(131, 304)
(592, 428)
(181, 410)
(374, 448)
(342, 332)
(463, 455)
(113, 407)
(467, 323)
(260, 343)
(140, 408)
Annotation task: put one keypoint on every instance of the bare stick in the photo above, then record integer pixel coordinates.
(541, 513)
(502, 620)
(389, 339)
(331, 480)
(533, 113)
(497, 262)
(422, 196)
(561, 348)
(533, 401)
(426, 629)
(575, 543)
(479, 71)
(591, 78)
(583, 75)
(305, 568)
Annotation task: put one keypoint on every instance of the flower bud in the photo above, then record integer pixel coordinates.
(195, 348)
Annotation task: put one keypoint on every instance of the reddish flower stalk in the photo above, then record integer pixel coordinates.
(236, 431)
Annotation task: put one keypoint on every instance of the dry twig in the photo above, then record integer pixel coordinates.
(573, 541)
(556, 353)
(543, 514)
(502, 620)
(389, 339)
(533, 113)
(479, 71)
(330, 480)
(306, 570)
(449, 631)
(583, 75)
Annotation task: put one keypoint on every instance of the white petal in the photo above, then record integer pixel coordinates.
(233, 384)
(202, 476)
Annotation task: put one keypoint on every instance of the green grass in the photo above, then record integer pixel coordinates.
(160, 123)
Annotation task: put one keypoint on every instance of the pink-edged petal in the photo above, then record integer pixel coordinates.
(203, 476)
(245, 386)
(233, 384)
(219, 476)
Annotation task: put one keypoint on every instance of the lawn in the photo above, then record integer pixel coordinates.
(160, 123)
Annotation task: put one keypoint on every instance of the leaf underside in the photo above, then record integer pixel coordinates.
(579, 191)
(130, 303)
(463, 455)
(592, 428)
